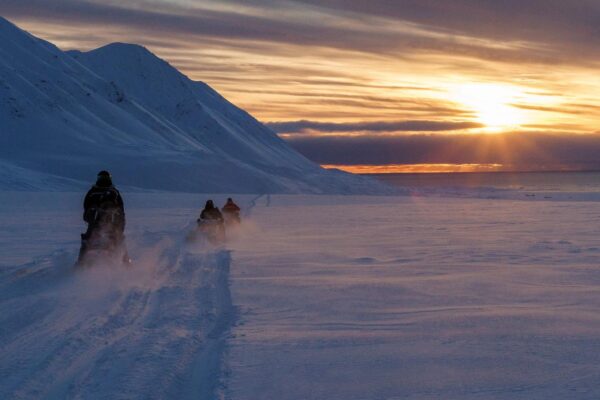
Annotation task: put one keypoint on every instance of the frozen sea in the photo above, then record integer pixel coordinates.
(514, 185)
(526, 182)
(445, 294)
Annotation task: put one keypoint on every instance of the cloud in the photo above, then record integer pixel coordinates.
(562, 27)
(348, 60)
(302, 126)
(546, 31)
(520, 150)
(176, 19)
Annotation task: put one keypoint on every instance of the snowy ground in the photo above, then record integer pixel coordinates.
(316, 298)
(154, 330)
(413, 298)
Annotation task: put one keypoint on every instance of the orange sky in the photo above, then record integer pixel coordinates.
(355, 66)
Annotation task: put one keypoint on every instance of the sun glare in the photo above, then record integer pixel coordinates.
(491, 104)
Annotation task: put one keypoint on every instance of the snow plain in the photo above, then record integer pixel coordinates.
(317, 297)
(154, 330)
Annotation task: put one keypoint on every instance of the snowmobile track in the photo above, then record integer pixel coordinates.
(157, 330)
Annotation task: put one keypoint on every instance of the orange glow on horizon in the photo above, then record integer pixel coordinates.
(416, 168)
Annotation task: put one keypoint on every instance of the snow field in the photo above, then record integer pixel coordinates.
(331, 297)
(156, 329)
(418, 298)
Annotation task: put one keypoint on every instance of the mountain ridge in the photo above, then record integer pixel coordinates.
(120, 107)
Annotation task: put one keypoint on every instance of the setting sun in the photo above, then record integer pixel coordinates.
(491, 104)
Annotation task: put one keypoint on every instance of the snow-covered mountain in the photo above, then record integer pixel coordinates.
(66, 115)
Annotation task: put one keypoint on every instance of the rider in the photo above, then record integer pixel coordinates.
(231, 211)
(210, 212)
(103, 209)
(211, 222)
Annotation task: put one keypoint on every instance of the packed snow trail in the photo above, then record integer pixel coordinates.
(155, 330)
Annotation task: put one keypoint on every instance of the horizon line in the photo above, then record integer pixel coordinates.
(441, 168)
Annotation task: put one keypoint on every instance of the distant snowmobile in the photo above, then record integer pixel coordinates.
(231, 212)
(210, 225)
(213, 230)
(104, 213)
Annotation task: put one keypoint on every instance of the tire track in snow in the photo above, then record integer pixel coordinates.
(157, 330)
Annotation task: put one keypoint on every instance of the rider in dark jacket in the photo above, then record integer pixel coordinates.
(104, 196)
(211, 223)
(103, 209)
(211, 212)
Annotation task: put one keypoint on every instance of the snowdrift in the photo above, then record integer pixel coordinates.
(66, 115)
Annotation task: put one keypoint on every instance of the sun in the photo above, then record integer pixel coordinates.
(492, 104)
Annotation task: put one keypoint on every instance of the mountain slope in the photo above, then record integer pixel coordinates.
(192, 106)
(69, 114)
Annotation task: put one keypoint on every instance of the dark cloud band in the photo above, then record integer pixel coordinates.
(539, 31)
(291, 127)
(526, 151)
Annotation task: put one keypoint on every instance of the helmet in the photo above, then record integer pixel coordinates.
(104, 179)
(104, 174)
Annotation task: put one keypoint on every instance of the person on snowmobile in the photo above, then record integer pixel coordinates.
(211, 222)
(210, 212)
(104, 212)
(231, 211)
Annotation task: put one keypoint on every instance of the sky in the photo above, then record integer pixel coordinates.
(378, 85)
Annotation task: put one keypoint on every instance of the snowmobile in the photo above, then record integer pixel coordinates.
(103, 242)
(211, 229)
(231, 213)
(232, 218)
